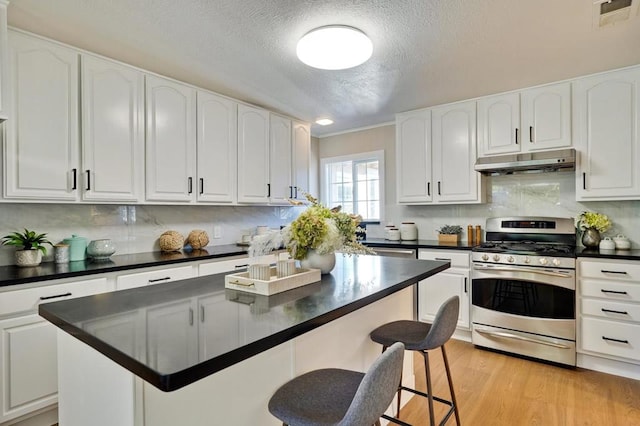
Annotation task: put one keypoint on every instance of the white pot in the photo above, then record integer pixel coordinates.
(324, 262)
(28, 257)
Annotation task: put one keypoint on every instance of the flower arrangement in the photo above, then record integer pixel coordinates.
(599, 221)
(317, 228)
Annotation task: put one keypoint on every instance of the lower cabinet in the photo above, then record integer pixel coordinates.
(454, 281)
(157, 276)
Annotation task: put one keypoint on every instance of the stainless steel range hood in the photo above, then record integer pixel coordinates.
(535, 162)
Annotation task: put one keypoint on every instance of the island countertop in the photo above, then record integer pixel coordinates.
(174, 334)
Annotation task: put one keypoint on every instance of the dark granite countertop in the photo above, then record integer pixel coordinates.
(433, 244)
(12, 275)
(608, 254)
(265, 321)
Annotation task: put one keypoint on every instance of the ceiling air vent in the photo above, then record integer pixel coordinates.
(611, 12)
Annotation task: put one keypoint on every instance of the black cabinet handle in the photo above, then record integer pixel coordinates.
(88, 180)
(241, 266)
(584, 181)
(190, 316)
(159, 279)
(531, 134)
(613, 291)
(55, 297)
(290, 191)
(610, 339)
(201, 313)
(611, 311)
(465, 284)
(516, 136)
(190, 183)
(75, 179)
(268, 190)
(429, 189)
(439, 193)
(296, 188)
(201, 186)
(442, 258)
(604, 271)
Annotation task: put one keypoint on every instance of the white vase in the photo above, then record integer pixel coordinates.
(28, 257)
(324, 262)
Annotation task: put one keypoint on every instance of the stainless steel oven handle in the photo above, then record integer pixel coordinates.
(393, 251)
(517, 269)
(518, 337)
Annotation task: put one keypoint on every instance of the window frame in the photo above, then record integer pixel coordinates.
(359, 157)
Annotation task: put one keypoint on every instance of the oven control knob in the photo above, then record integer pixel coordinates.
(556, 262)
(485, 257)
(527, 260)
(496, 258)
(511, 259)
(543, 261)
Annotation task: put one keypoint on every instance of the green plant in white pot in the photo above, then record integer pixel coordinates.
(30, 244)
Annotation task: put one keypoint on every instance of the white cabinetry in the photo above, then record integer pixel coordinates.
(112, 131)
(609, 310)
(217, 149)
(163, 275)
(253, 155)
(280, 160)
(41, 150)
(531, 120)
(171, 140)
(4, 61)
(455, 281)
(28, 354)
(435, 152)
(301, 159)
(606, 120)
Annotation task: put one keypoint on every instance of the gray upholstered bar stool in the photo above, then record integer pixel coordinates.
(423, 337)
(340, 397)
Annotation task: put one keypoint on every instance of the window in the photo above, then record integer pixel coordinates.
(355, 182)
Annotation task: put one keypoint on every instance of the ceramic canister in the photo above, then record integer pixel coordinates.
(77, 247)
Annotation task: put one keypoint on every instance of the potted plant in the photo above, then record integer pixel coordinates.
(31, 244)
(449, 234)
(592, 225)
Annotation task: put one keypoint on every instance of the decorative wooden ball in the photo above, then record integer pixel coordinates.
(171, 241)
(198, 239)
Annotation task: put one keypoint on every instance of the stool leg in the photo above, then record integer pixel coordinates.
(453, 395)
(432, 420)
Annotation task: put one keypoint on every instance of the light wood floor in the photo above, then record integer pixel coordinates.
(496, 389)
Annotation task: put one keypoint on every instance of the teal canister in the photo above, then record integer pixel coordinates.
(77, 247)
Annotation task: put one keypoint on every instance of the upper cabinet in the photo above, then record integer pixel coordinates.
(171, 140)
(217, 148)
(436, 151)
(112, 131)
(280, 159)
(301, 159)
(41, 150)
(4, 61)
(530, 120)
(253, 155)
(606, 119)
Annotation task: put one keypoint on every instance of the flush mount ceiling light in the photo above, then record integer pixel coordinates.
(324, 121)
(334, 47)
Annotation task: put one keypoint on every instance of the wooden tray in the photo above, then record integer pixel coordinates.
(242, 282)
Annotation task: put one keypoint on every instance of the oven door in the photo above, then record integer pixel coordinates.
(524, 310)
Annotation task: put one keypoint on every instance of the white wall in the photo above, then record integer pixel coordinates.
(544, 194)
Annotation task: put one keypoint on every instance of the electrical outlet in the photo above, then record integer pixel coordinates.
(217, 231)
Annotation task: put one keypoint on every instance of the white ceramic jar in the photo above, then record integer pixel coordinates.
(408, 231)
(394, 234)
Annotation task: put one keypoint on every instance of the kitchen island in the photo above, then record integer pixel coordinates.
(192, 352)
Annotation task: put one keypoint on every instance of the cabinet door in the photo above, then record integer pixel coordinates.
(434, 291)
(171, 141)
(454, 153)
(169, 354)
(41, 160)
(281, 188)
(29, 365)
(217, 149)
(498, 124)
(4, 61)
(253, 155)
(301, 159)
(216, 338)
(546, 117)
(112, 132)
(124, 331)
(606, 119)
(413, 157)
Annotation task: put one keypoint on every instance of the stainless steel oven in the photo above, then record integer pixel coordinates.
(523, 288)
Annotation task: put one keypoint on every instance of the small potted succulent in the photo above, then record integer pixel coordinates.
(31, 244)
(449, 234)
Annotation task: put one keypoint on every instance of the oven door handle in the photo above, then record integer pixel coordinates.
(518, 337)
(520, 269)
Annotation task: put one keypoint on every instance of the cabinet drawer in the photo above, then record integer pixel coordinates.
(613, 290)
(223, 266)
(154, 277)
(29, 299)
(623, 271)
(611, 310)
(611, 338)
(457, 259)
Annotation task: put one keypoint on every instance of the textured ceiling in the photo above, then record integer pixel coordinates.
(426, 52)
